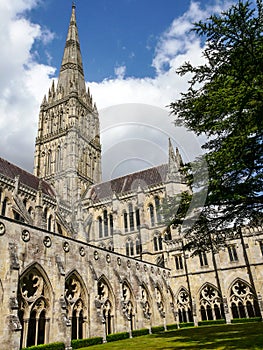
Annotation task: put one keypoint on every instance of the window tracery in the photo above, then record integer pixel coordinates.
(127, 304)
(75, 300)
(104, 305)
(211, 303)
(184, 306)
(34, 308)
(243, 301)
(145, 303)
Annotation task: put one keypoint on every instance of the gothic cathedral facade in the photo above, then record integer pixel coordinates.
(83, 258)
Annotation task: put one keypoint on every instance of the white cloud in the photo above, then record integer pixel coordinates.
(24, 82)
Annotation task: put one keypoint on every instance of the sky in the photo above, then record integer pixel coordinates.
(131, 50)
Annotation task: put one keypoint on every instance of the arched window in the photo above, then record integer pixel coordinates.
(3, 211)
(111, 224)
(184, 306)
(31, 212)
(125, 219)
(49, 160)
(138, 221)
(211, 303)
(157, 242)
(131, 217)
(105, 221)
(58, 159)
(151, 213)
(76, 307)
(105, 298)
(49, 223)
(100, 227)
(127, 304)
(243, 301)
(157, 208)
(129, 248)
(34, 299)
(138, 246)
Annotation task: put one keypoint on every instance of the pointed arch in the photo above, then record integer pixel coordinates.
(76, 297)
(183, 305)
(160, 300)
(211, 302)
(128, 303)
(106, 303)
(146, 301)
(243, 300)
(34, 300)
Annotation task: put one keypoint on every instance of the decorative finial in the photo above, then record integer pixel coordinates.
(73, 4)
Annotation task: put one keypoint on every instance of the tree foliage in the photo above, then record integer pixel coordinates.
(224, 101)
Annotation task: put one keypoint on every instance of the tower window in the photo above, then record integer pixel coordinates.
(203, 259)
(131, 218)
(111, 224)
(138, 221)
(178, 262)
(151, 212)
(100, 227)
(157, 208)
(157, 243)
(105, 220)
(232, 253)
(125, 218)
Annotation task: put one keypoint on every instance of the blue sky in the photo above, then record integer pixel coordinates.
(112, 32)
(130, 49)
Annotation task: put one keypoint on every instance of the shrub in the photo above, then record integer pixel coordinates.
(171, 326)
(157, 329)
(211, 322)
(139, 332)
(186, 324)
(51, 346)
(82, 343)
(117, 336)
(245, 320)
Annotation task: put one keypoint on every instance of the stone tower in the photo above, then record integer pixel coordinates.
(68, 150)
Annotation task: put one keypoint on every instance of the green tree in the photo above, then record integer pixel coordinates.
(224, 101)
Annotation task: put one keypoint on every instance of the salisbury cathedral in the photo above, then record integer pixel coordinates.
(83, 258)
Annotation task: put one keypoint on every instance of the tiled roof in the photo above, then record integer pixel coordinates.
(128, 183)
(10, 170)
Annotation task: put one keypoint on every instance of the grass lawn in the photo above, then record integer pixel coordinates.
(234, 336)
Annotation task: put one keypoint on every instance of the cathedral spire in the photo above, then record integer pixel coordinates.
(71, 76)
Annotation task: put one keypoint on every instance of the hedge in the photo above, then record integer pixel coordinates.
(245, 320)
(157, 329)
(186, 324)
(211, 322)
(170, 327)
(139, 332)
(117, 336)
(82, 343)
(51, 346)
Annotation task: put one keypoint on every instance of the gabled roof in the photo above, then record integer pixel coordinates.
(129, 183)
(12, 171)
